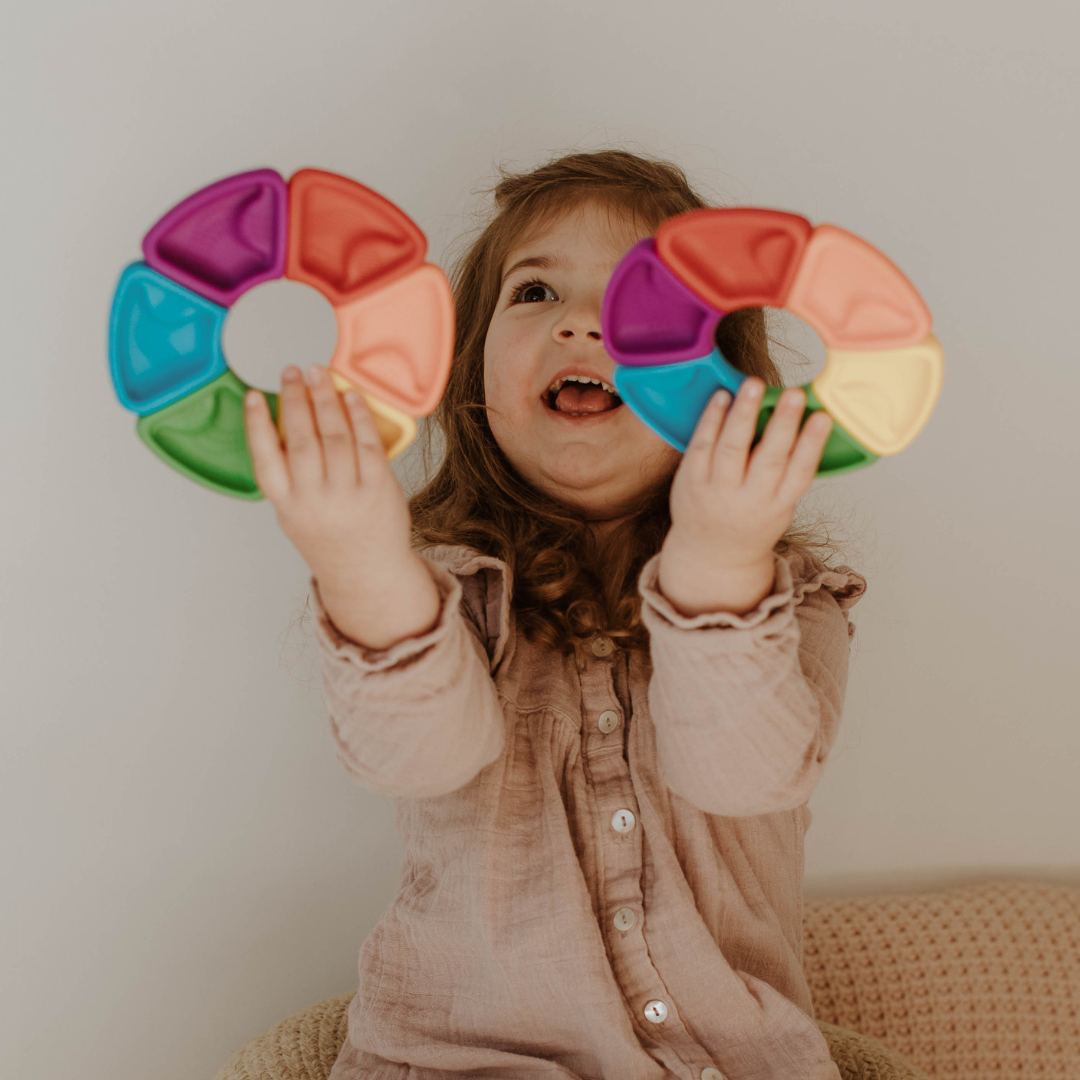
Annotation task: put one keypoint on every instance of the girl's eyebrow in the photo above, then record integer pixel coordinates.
(541, 262)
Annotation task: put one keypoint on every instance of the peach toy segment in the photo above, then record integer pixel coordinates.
(884, 398)
(397, 343)
(345, 239)
(396, 429)
(737, 257)
(225, 238)
(854, 297)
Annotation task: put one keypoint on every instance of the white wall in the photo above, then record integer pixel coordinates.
(185, 862)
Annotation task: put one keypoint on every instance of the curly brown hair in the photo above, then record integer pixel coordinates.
(567, 583)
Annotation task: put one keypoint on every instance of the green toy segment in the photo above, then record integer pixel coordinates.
(204, 436)
(843, 453)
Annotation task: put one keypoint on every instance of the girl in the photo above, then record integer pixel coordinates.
(599, 678)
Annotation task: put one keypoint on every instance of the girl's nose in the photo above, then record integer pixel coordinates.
(594, 334)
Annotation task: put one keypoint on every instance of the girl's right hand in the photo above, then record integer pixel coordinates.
(338, 501)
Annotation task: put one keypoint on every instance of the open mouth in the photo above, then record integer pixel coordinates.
(579, 395)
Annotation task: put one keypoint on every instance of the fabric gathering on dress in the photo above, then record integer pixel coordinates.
(603, 861)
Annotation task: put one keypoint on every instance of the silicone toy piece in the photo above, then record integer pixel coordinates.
(650, 316)
(394, 312)
(883, 370)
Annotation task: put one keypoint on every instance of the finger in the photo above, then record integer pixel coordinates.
(699, 450)
(370, 455)
(334, 429)
(740, 423)
(803, 466)
(303, 449)
(264, 445)
(769, 460)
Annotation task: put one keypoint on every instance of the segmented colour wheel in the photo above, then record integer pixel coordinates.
(394, 313)
(883, 369)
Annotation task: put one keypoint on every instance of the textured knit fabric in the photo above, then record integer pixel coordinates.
(603, 851)
(968, 983)
(305, 1045)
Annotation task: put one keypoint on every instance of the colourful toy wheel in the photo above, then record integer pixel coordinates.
(394, 311)
(883, 370)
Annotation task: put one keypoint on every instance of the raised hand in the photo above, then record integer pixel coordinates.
(338, 501)
(727, 513)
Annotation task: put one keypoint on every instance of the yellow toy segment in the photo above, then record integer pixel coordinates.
(396, 429)
(883, 397)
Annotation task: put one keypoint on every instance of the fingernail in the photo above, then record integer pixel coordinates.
(291, 372)
(313, 375)
(251, 398)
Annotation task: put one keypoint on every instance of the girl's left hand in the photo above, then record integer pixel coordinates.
(726, 514)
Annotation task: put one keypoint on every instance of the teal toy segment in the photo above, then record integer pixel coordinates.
(671, 397)
(164, 340)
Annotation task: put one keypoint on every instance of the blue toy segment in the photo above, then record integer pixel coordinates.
(164, 340)
(670, 398)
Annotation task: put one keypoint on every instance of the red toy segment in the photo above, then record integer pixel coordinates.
(345, 239)
(735, 258)
(854, 297)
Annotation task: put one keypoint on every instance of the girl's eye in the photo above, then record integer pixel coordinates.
(518, 295)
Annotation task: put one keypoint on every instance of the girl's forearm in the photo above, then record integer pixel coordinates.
(380, 608)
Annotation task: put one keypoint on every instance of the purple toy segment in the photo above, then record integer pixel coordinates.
(650, 317)
(225, 238)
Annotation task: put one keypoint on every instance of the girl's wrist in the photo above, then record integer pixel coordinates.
(695, 585)
(378, 608)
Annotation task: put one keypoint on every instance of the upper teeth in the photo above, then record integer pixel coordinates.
(557, 384)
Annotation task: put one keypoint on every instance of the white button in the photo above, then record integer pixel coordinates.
(624, 918)
(608, 721)
(623, 820)
(711, 1074)
(656, 1011)
(601, 646)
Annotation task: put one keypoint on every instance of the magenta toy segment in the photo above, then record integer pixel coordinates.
(224, 239)
(650, 317)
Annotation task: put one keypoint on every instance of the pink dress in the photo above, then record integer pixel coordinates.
(603, 851)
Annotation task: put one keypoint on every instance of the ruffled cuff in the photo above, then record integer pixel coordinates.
(334, 643)
(780, 598)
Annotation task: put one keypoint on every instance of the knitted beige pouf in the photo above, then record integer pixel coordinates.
(304, 1047)
(971, 983)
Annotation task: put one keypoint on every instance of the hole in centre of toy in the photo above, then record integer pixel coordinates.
(794, 346)
(274, 325)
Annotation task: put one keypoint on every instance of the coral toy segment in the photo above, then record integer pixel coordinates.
(204, 437)
(164, 340)
(397, 343)
(649, 316)
(345, 239)
(854, 297)
(883, 398)
(735, 258)
(224, 239)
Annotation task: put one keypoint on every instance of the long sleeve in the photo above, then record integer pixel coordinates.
(747, 707)
(420, 718)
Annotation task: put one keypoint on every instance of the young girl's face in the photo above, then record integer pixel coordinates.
(572, 439)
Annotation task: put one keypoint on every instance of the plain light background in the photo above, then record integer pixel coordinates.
(184, 860)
